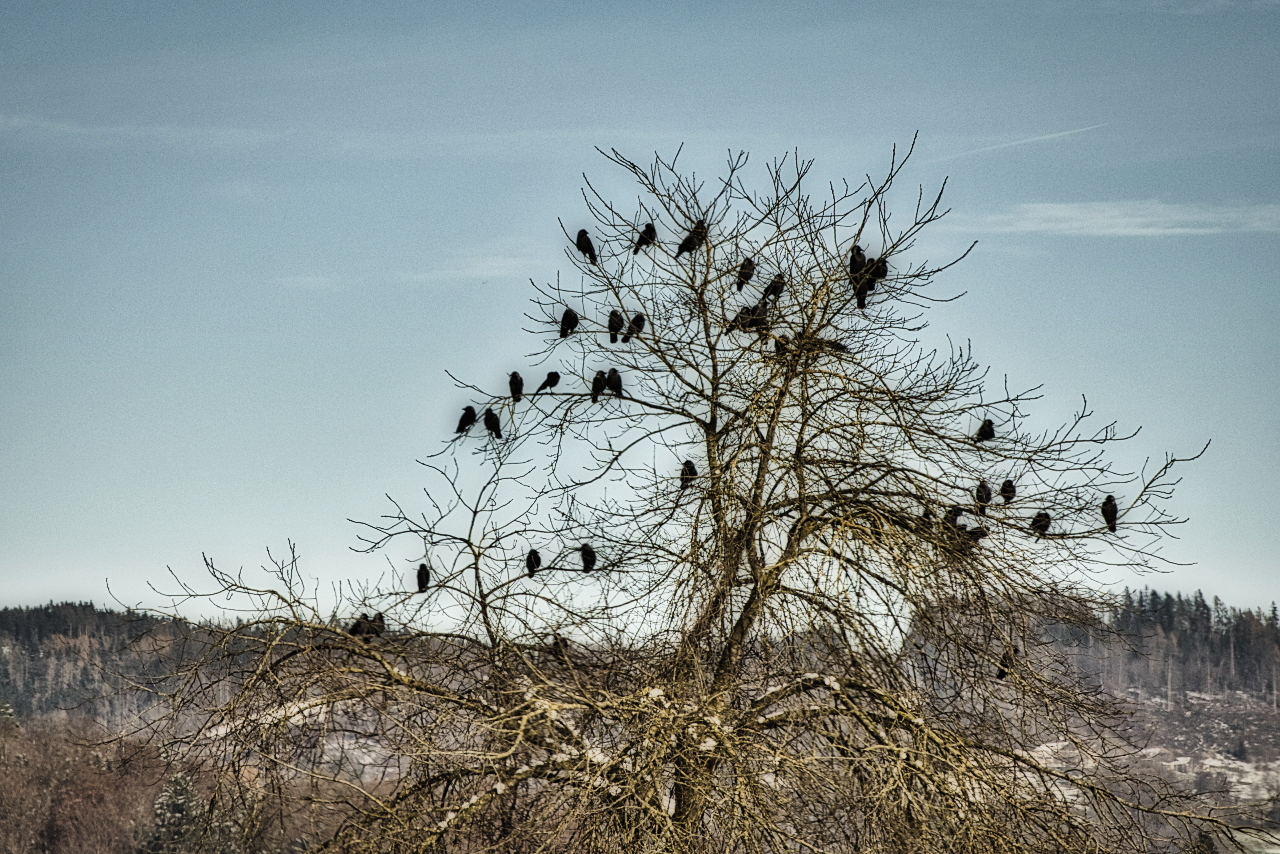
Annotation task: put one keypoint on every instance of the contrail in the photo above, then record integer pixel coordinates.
(1020, 142)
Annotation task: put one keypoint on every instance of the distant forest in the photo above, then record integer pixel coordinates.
(64, 658)
(1183, 643)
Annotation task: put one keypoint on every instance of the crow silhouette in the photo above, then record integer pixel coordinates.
(613, 381)
(857, 261)
(648, 236)
(597, 386)
(634, 328)
(568, 322)
(492, 424)
(865, 286)
(1008, 491)
(552, 380)
(983, 496)
(532, 562)
(360, 627)
(695, 238)
(1007, 662)
(468, 418)
(688, 472)
(615, 325)
(776, 287)
(585, 246)
(986, 431)
(377, 625)
(745, 272)
(588, 557)
(515, 382)
(424, 578)
(1040, 524)
(1110, 512)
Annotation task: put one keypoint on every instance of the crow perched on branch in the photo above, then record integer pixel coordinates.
(1110, 512)
(588, 557)
(532, 562)
(515, 382)
(568, 322)
(857, 261)
(648, 236)
(613, 381)
(615, 325)
(688, 472)
(1008, 491)
(695, 238)
(492, 424)
(1007, 662)
(745, 272)
(634, 328)
(424, 578)
(986, 431)
(468, 418)
(597, 386)
(552, 380)
(1040, 524)
(983, 496)
(775, 288)
(360, 627)
(585, 246)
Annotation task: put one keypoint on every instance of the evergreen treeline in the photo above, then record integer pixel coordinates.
(62, 657)
(1183, 643)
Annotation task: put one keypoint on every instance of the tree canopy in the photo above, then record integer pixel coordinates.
(777, 605)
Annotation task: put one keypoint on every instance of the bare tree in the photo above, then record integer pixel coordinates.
(772, 609)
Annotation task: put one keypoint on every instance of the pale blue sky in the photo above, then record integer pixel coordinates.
(241, 242)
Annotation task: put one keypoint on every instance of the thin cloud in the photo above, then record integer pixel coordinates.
(1026, 141)
(1137, 218)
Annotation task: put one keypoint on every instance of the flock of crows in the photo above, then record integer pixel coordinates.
(864, 273)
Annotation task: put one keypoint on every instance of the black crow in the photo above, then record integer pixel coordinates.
(983, 496)
(424, 578)
(864, 287)
(1110, 512)
(515, 382)
(468, 418)
(1007, 661)
(568, 322)
(377, 625)
(588, 557)
(986, 431)
(492, 424)
(634, 328)
(615, 325)
(688, 472)
(532, 562)
(695, 238)
(613, 381)
(877, 269)
(585, 245)
(648, 236)
(776, 287)
(757, 317)
(597, 386)
(360, 627)
(552, 380)
(1008, 491)
(857, 261)
(1040, 524)
(745, 272)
